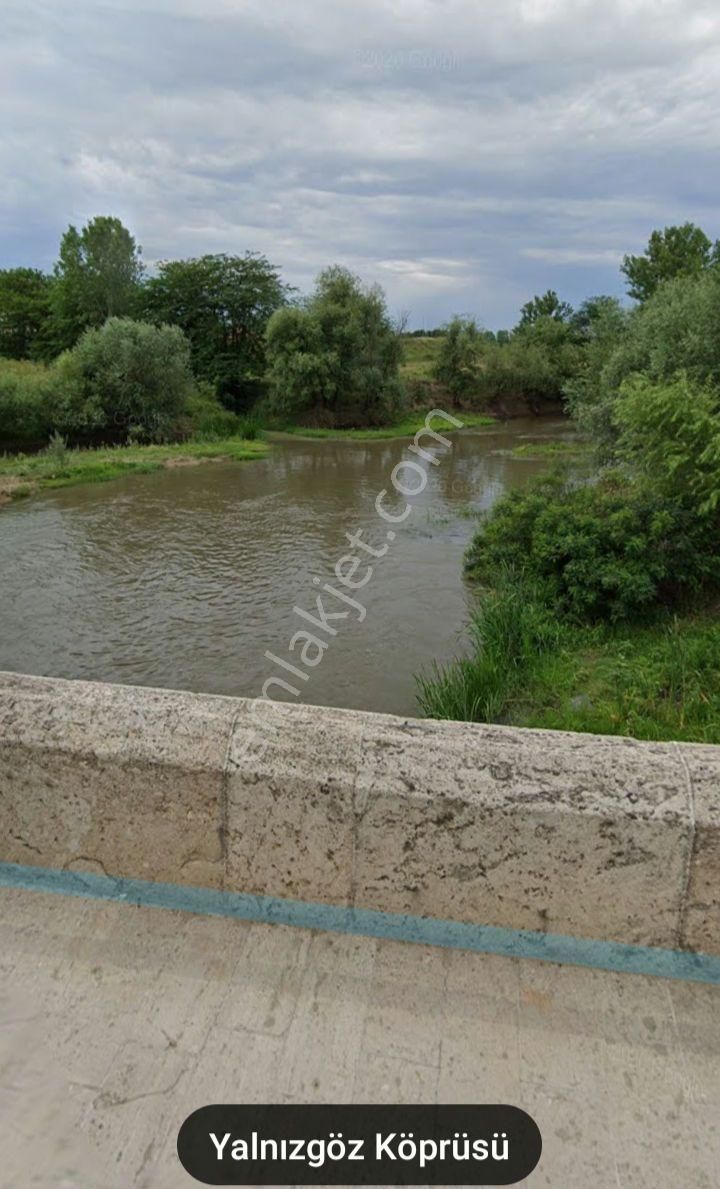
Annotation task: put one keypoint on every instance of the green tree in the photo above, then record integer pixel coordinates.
(97, 276)
(24, 311)
(548, 305)
(534, 364)
(602, 325)
(459, 361)
(223, 304)
(670, 433)
(673, 252)
(125, 377)
(334, 357)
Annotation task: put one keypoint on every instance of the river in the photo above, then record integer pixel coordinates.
(185, 578)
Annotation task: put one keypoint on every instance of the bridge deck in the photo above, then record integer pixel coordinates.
(117, 1021)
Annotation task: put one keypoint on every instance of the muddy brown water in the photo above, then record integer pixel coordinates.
(185, 578)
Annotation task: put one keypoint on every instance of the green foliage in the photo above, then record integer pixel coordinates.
(548, 305)
(605, 551)
(24, 310)
(333, 359)
(207, 419)
(511, 624)
(670, 432)
(460, 360)
(651, 682)
(602, 326)
(532, 364)
(656, 681)
(25, 401)
(250, 428)
(674, 252)
(676, 331)
(59, 466)
(535, 364)
(96, 277)
(56, 450)
(130, 377)
(222, 303)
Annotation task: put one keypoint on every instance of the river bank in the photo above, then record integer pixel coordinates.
(527, 667)
(22, 475)
(407, 427)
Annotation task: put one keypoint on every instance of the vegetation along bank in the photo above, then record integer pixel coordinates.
(597, 589)
(597, 600)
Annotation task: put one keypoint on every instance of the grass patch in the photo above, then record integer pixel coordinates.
(651, 682)
(406, 428)
(420, 357)
(526, 668)
(23, 473)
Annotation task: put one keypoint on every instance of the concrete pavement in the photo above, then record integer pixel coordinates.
(117, 1021)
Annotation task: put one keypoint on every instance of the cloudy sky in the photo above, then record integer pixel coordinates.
(463, 153)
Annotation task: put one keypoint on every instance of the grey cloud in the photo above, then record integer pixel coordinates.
(462, 155)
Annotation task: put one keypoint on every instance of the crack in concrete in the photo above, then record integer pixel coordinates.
(687, 867)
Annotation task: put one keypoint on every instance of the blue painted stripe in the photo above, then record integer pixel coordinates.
(489, 939)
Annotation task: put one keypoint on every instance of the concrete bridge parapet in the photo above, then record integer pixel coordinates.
(594, 837)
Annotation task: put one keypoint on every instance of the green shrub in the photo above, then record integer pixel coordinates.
(671, 433)
(207, 418)
(250, 427)
(605, 551)
(128, 377)
(25, 401)
(56, 450)
(677, 331)
(460, 359)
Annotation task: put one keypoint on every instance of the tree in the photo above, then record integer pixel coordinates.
(97, 277)
(594, 312)
(24, 311)
(334, 357)
(670, 432)
(127, 377)
(222, 303)
(547, 306)
(459, 360)
(673, 252)
(601, 325)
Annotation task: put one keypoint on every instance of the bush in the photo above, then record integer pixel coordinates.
(608, 551)
(128, 377)
(334, 358)
(207, 418)
(532, 364)
(677, 331)
(670, 432)
(459, 362)
(25, 401)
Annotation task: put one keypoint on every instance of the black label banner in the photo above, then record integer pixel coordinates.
(359, 1145)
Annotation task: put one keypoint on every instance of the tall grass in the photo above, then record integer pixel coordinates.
(657, 680)
(509, 631)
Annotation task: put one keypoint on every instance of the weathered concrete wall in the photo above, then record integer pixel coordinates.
(597, 837)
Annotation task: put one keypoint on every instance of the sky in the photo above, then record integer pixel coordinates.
(464, 154)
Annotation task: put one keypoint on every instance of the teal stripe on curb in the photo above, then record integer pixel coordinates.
(488, 939)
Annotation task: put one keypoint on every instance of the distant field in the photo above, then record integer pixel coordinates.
(420, 358)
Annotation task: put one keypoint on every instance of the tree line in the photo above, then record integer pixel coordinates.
(564, 563)
(100, 347)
